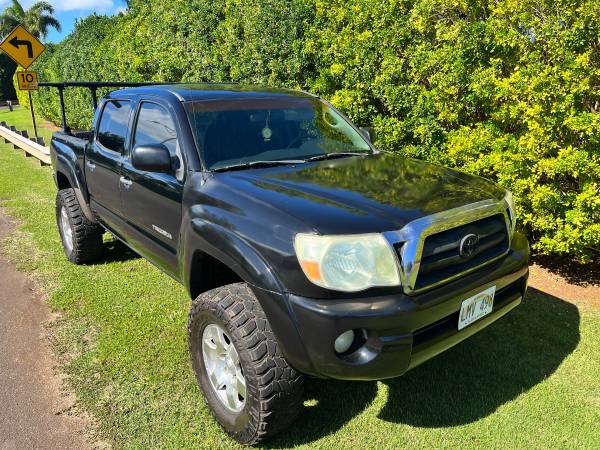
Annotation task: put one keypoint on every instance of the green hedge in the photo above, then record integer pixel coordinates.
(508, 90)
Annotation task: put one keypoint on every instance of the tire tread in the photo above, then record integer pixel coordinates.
(280, 387)
(87, 236)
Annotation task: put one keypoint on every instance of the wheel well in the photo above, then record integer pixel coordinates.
(62, 181)
(208, 273)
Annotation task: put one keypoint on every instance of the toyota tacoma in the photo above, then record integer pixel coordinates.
(306, 251)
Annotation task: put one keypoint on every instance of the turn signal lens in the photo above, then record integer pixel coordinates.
(312, 270)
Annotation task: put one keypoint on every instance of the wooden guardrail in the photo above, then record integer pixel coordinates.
(20, 139)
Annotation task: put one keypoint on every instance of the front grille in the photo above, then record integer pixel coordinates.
(441, 258)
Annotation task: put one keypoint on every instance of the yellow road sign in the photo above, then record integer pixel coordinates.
(22, 46)
(28, 81)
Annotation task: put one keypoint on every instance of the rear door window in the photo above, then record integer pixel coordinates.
(112, 130)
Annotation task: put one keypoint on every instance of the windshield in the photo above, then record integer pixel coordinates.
(234, 132)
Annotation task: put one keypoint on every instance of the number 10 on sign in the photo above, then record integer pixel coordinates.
(28, 81)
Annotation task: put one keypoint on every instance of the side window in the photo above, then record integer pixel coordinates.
(155, 126)
(112, 129)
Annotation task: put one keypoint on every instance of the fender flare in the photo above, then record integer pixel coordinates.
(68, 167)
(230, 249)
(233, 251)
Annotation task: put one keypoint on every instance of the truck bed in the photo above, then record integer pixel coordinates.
(76, 140)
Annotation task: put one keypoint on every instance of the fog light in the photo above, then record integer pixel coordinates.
(344, 341)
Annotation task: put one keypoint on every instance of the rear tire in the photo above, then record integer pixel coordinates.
(81, 239)
(272, 390)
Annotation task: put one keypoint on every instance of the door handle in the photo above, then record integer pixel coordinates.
(90, 165)
(125, 182)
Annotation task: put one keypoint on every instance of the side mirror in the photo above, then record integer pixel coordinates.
(152, 158)
(368, 133)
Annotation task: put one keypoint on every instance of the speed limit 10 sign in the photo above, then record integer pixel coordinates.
(28, 81)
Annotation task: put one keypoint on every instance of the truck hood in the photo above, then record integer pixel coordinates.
(374, 193)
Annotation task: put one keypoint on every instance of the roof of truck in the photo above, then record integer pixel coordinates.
(213, 91)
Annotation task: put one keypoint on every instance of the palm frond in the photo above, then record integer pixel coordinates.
(45, 22)
(13, 12)
(17, 8)
(37, 19)
(7, 23)
(39, 8)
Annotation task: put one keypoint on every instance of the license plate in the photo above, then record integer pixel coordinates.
(474, 308)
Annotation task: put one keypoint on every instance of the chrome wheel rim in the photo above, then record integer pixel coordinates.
(66, 229)
(223, 368)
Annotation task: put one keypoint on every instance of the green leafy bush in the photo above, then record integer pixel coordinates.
(508, 90)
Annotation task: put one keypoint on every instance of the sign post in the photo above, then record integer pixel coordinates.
(32, 114)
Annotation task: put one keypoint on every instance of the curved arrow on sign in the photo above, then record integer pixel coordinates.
(22, 46)
(16, 42)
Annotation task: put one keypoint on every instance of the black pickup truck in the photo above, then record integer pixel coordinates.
(306, 251)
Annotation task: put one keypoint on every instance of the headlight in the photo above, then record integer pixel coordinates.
(510, 201)
(347, 263)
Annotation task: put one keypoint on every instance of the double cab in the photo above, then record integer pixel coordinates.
(306, 251)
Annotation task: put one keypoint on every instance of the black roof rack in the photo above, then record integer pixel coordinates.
(93, 87)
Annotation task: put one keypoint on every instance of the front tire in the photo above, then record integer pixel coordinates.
(81, 239)
(246, 382)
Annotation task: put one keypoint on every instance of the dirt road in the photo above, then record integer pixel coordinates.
(33, 411)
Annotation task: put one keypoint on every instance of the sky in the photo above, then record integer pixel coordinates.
(67, 11)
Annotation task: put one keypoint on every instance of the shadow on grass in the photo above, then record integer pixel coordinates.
(461, 386)
(331, 404)
(116, 251)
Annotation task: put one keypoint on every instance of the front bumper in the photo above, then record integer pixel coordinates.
(401, 331)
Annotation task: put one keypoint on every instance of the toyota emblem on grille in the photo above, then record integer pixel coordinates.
(468, 245)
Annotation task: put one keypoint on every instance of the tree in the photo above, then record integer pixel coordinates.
(37, 19)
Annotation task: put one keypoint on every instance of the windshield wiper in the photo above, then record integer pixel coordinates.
(256, 164)
(281, 162)
(334, 155)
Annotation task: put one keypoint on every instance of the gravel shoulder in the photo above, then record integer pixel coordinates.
(35, 411)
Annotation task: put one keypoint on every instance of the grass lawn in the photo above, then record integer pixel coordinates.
(21, 118)
(532, 380)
